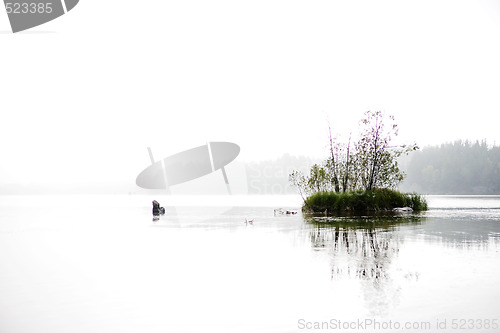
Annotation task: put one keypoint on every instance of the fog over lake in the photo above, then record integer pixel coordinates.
(115, 89)
(100, 264)
(115, 77)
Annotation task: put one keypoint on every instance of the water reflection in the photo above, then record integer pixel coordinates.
(360, 247)
(363, 249)
(469, 228)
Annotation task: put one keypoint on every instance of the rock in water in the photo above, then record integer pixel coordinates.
(403, 210)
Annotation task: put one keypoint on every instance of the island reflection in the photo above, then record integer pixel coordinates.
(360, 247)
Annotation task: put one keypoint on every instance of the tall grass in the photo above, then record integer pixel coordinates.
(363, 201)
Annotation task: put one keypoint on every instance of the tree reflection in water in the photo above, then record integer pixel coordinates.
(362, 248)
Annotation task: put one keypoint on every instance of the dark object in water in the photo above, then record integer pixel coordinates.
(157, 210)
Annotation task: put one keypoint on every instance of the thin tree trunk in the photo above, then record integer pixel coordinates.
(375, 155)
(335, 178)
(346, 177)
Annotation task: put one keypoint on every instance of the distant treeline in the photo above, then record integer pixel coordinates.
(461, 167)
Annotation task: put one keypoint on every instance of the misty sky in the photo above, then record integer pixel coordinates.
(83, 96)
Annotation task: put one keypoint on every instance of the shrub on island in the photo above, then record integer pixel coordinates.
(376, 200)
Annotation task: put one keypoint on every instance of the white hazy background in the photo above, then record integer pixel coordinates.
(82, 97)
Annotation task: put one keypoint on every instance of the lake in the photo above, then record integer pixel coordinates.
(101, 264)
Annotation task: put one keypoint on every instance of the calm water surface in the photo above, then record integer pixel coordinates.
(100, 264)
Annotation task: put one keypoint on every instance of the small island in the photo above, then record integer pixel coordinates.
(360, 177)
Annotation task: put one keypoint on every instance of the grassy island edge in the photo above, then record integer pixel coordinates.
(376, 200)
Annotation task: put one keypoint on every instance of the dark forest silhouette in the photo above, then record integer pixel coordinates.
(461, 167)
